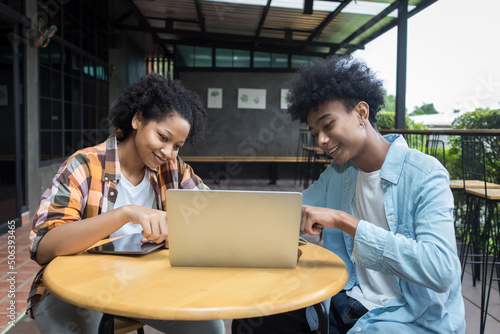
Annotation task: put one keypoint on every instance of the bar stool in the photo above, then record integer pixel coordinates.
(305, 140)
(435, 147)
(481, 224)
(126, 325)
(113, 324)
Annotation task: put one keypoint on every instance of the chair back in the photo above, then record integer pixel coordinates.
(435, 147)
(473, 162)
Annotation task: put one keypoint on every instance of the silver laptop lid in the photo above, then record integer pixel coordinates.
(224, 228)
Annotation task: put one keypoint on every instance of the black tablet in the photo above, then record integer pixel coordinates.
(128, 245)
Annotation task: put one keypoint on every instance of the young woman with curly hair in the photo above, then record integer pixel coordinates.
(384, 209)
(118, 188)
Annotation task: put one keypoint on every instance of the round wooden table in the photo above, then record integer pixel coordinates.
(148, 287)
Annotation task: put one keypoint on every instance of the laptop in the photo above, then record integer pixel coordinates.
(227, 228)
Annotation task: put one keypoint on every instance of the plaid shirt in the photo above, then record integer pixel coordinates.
(85, 186)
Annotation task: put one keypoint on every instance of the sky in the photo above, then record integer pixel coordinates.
(453, 56)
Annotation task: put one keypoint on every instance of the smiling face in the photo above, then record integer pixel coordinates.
(339, 133)
(159, 141)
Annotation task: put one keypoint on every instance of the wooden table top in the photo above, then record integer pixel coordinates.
(459, 184)
(148, 287)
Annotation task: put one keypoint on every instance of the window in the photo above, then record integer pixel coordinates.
(73, 80)
(223, 58)
(279, 60)
(261, 59)
(299, 61)
(191, 56)
(194, 56)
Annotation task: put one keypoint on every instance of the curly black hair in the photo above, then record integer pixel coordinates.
(341, 78)
(155, 98)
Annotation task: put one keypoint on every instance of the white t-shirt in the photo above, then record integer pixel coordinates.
(142, 194)
(375, 289)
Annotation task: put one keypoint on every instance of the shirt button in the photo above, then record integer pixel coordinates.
(393, 218)
(358, 329)
(112, 193)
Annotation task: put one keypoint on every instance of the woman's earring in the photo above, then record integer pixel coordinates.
(363, 125)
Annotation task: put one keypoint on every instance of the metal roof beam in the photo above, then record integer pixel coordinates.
(183, 34)
(201, 17)
(123, 17)
(146, 24)
(263, 18)
(419, 8)
(246, 46)
(368, 25)
(12, 15)
(327, 20)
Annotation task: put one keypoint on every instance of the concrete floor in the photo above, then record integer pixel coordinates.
(26, 269)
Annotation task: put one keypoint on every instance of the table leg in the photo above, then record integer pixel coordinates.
(322, 318)
(273, 172)
(107, 324)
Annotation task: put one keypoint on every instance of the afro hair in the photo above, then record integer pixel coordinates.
(341, 78)
(156, 98)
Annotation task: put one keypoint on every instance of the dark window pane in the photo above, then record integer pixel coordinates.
(45, 79)
(76, 64)
(68, 94)
(44, 56)
(57, 145)
(89, 117)
(241, 58)
(86, 92)
(72, 116)
(68, 60)
(76, 91)
(45, 114)
(203, 57)
(92, 93)
(55, 55)
(56, 118)
(279, 60)
(90, 138)
(223, 58)
(76, 26)
(45, 145)
(56, 85)
(261, 59)
(73, 141)
(88, 68)
(102, 119)
(185, 56)
(299, 61)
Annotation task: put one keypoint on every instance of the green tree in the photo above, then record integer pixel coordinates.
(425, 109)
(478, 119)
(387, 120)
(390, 103)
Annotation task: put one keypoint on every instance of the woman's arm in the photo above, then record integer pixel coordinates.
(74, 237)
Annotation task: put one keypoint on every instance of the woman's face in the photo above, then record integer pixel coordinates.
(159, 141)
(338, 133)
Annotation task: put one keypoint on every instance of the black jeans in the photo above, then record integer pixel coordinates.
(344, 312)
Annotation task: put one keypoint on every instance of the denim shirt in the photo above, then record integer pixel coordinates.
(419, 250)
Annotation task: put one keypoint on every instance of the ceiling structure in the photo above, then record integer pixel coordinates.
(307, 27)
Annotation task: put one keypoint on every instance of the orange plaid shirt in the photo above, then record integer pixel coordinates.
(85, 186)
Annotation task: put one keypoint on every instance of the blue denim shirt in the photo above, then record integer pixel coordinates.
(419, 250)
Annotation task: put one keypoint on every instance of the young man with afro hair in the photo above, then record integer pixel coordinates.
(386, 210)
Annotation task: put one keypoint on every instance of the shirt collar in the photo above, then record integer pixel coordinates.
(393, 165)
(112, 170)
